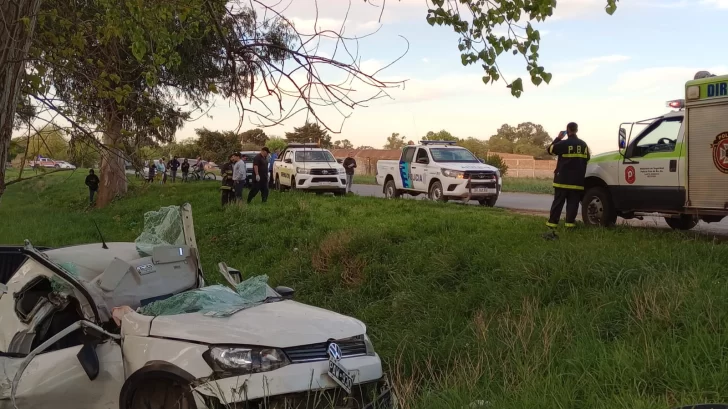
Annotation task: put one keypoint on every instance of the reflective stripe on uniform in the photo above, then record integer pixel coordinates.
(551, 149)
(226, 187)
(570, 225)
(572, 187)
(552, 225)
(575, 155)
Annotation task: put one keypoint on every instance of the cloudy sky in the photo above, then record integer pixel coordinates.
(606, 69)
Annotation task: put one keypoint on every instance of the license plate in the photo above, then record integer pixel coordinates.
(340, 375)
(483, 190)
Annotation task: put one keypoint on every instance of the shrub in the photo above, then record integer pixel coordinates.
(498, 162)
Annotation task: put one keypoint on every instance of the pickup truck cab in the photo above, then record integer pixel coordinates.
(442, 171)
(307, 167)
(42, 162)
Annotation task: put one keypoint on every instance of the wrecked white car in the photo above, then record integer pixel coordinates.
(132, 325)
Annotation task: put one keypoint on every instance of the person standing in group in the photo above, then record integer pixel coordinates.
(240, 173)
(349, 166)
(173, 166)
(92, 181)
(185, 169)
(260, 175)
(272, 159)
(161, 168)
(152, 171)
(226, 170)
(573, 155)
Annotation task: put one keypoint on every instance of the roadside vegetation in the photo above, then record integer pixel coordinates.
(510, 184)
(464, 304)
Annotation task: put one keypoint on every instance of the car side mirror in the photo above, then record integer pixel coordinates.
(622, 138)
(287, 161)
(286, 293)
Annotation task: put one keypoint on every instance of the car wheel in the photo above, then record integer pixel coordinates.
(164, 394)
(57, 166)
(277, 184)
(684, 222)
(488, 201)
(390, 190)
(597, 208)
(436, 192)
(293, 184)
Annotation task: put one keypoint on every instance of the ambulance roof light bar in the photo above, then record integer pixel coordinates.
(676, 104)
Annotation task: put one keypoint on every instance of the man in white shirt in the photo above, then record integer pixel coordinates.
(240, 173)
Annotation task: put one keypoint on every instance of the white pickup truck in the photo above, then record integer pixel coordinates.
(442, 171)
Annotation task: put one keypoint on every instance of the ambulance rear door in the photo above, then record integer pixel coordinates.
(707, 143)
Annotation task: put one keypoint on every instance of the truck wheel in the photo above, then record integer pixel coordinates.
(162, 394)
(277, 184)
(390, 190)
(684, 222)
(436, 192)
(57, 166)
(488, 201)
(597, 208)
(293, 184)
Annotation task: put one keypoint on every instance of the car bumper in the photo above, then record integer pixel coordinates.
(301, 383)
(463, 189)
(325, 183)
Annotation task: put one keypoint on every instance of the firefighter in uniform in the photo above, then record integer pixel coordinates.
(228, 194)
(573, 155)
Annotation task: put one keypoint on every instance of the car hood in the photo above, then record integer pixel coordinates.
(320, 165)
(468, 166)
(280, 324)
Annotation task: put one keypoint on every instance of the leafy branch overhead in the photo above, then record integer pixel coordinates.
(490, 28)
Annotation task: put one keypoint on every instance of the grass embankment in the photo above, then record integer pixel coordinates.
(463, 303)
(522, 185)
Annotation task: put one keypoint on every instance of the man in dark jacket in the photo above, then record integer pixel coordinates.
(226, 170)
(260, 175)
(573, 155)
(92, 181)
(173, 166)
(349, 166)
(185, 169)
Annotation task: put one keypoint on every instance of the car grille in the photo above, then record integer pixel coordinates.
(324, 172)
(485, 176)
(319, 352)
(319, 179)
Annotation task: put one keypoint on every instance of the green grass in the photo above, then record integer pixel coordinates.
(522, 185)
(463, 303)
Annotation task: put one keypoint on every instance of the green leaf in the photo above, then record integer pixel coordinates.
(486, 79)
(516, 87)
(139, 49)
(536, 80)
(212, 88)
(611, 7)
(431, 20)
(547, 77)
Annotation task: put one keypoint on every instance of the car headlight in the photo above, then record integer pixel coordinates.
(243, 360)
(303, 171)
(453, 173)
(369, 345)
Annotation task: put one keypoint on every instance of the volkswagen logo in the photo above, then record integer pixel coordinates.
(334, 351)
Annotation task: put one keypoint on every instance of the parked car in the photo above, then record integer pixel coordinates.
(101, 326)
(42, 162)
(442, 171)
(308, 167)
(65, 165)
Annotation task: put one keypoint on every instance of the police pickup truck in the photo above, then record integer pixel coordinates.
(308, 167)
(675, 165)
(442, 171)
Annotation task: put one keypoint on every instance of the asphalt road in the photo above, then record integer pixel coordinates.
(541, 204)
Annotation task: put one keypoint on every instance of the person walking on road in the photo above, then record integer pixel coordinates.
(573, 155)
(173, 166)
(240, 173)
(260, 175)
(226, 170)
(92, 181)
(349, 166)
(185, 169)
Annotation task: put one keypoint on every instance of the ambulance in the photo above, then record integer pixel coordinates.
(674, 166)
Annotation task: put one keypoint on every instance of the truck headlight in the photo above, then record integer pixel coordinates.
(342, 171)
(303, 171)
(369, 345)
(243, 360)
(453, 173)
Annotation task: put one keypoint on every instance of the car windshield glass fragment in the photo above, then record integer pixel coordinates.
(452, 155)
(314, 156)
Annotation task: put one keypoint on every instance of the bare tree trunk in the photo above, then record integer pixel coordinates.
(113, 171)
(15, 39)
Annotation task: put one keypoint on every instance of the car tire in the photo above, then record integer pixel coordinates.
(597, 209)
(488, 201)
(293, 183)
(390, 190)
(277, 184)
(162, 394)
(57, 166)
(684, 222)
(436, 193)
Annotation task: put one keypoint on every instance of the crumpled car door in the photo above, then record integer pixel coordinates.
(57, 380)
